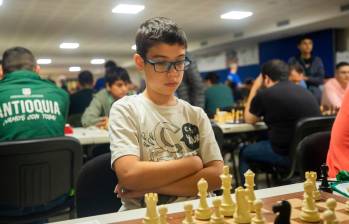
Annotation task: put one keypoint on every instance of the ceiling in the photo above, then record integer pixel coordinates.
(41, 25)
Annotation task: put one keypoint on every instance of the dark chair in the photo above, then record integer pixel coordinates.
(95, 188)
(225, 149)
(312, 152)
(304, 128)
(75, 120)
(39, 174)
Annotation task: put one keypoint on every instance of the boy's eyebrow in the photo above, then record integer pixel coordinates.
(165, 57)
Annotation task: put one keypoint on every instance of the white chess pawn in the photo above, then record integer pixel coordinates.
(203, 212)
(163, 214)
(217, 217)
(331, 205)
(227, 206)
(309, 211)
(258, 219)
(188, 210)
(328, 217)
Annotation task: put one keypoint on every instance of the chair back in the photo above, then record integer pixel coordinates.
(36, 172)
(95, 188)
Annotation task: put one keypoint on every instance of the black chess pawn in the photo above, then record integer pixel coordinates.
(283, 210)
(324, 186)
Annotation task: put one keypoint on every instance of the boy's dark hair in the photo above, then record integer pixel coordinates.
(116, 74)
(341, 64)
(158, 30)
(85, 78)
(297, 67)
(18, 58)
(212, 77)
(275, 69)
(109, 65)
(302, 38)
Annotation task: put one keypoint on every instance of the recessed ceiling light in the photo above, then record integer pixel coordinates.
(74, 69)
(134, 47)
(236, 15)
(1, 2)
(44, 61)
(69, 45)
(128, 9)
(97, 61)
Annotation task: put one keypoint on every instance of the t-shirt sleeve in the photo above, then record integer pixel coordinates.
(122, 132)
(209, 149)
(256, 107)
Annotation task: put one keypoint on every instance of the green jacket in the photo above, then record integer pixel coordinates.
(98, 108)
(31, 107)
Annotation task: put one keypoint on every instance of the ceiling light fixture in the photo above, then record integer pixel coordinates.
(236, 15)
(97, 61)
(74, 69)
(134, 47)
(44, 61)
(128, 9)
(69, 45)
(1, 1)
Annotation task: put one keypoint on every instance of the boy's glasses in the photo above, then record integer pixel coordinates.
(165, 66)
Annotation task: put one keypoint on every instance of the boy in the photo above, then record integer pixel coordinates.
(97, 112)
(160, 143)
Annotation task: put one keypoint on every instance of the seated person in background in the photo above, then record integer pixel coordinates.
(217, 95)
(160, 143)
(334, 88)
(281, 104)
(313, 67)
(338, 153)
(80, 100)
(30, 107)
(108, 66)
(97, 112)
(233, 79)
(296, 75)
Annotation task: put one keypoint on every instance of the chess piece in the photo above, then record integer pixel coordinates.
(249, 184)
(309, 211)
(203, 212)
(328, 217)
(347, 206)
(227, 206)
(217, 217)
(242, 214)
(258, 219)
(163, 214)
(331, 205)
(152, 216)
(312, 176)
(283, 210)
(188, 210)
(324, 186)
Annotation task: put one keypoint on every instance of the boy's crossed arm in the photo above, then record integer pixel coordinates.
(136, 175)
(185, 185)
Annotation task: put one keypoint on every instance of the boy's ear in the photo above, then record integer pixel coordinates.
(138, 61)
(37, 69)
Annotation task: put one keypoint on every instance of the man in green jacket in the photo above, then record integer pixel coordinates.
(30, 107)
(97, 112)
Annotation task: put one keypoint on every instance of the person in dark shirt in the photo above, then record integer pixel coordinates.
(281, 104)
(80, 100)
(313, 66)
(108, 66)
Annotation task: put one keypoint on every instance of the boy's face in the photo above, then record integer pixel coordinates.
(118, 89)
(306, 46)
(163, 83)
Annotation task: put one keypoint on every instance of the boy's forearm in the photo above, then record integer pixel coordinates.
(144, 175)
(187, 187)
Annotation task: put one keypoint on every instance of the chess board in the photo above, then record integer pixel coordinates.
(294, 198)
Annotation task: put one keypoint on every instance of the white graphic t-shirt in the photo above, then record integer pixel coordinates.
(158, 133)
